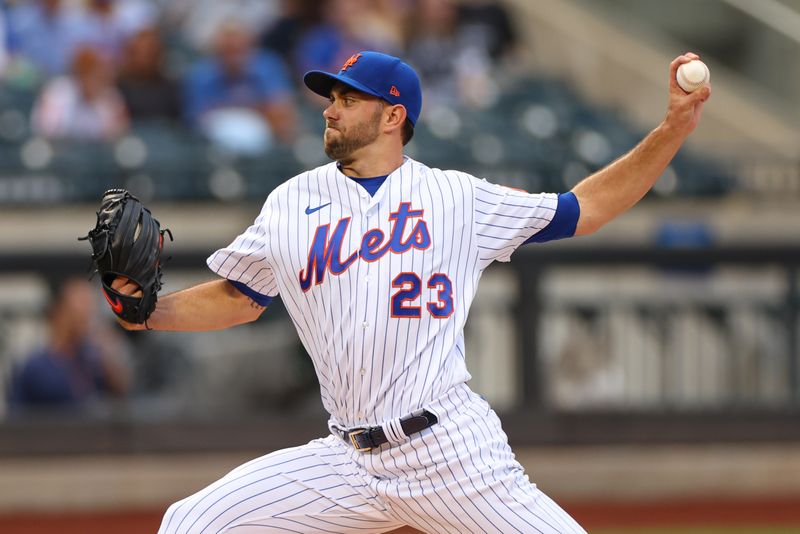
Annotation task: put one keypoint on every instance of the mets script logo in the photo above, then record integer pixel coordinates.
(350, 62)
(325, 254)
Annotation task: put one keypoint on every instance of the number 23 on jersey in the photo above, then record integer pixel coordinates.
(410, 288)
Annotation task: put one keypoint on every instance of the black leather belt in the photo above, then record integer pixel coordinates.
(366, 439)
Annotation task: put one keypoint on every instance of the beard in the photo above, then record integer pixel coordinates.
(340, 147)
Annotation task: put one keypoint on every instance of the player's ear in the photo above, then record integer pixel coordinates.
(394, 117)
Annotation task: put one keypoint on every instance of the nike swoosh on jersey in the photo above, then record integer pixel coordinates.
(310, 210)
(116, 305)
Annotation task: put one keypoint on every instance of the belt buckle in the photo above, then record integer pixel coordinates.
(352, 435)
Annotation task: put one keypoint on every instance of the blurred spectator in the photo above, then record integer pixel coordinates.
(83, 360)
(240, 97)
(452, 60)
(132, 16)
(488, 22)
(349, 26)
(385, 22)
(297, 17)
(44, 34)
(147, 90)
(3, 43)
(199, 21)
(109, 23)
(84, 106)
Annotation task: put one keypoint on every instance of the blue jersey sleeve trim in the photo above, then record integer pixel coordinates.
(258, 298)
(564, 222)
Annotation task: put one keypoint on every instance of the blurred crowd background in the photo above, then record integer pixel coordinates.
(677, 324)
(159, 80)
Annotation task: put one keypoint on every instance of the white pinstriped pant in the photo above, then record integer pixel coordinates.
(458, 476)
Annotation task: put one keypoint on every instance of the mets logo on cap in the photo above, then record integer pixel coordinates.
(350, 62)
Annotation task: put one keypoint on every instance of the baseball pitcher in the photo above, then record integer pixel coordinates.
(377, 258)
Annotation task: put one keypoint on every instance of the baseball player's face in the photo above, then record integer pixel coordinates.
(352, 121)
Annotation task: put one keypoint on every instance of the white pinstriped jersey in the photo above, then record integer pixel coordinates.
(379, 288)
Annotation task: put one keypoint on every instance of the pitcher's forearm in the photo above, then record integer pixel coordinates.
(209, 306)
(616, 188)
(612, 190)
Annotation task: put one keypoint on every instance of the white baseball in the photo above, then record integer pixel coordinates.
(693, 75)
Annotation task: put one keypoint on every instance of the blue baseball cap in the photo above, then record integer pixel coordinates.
(377, 74)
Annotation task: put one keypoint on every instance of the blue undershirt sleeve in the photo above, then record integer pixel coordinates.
(564, 222)
(258, 298)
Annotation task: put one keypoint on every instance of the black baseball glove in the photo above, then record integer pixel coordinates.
(127, 241)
